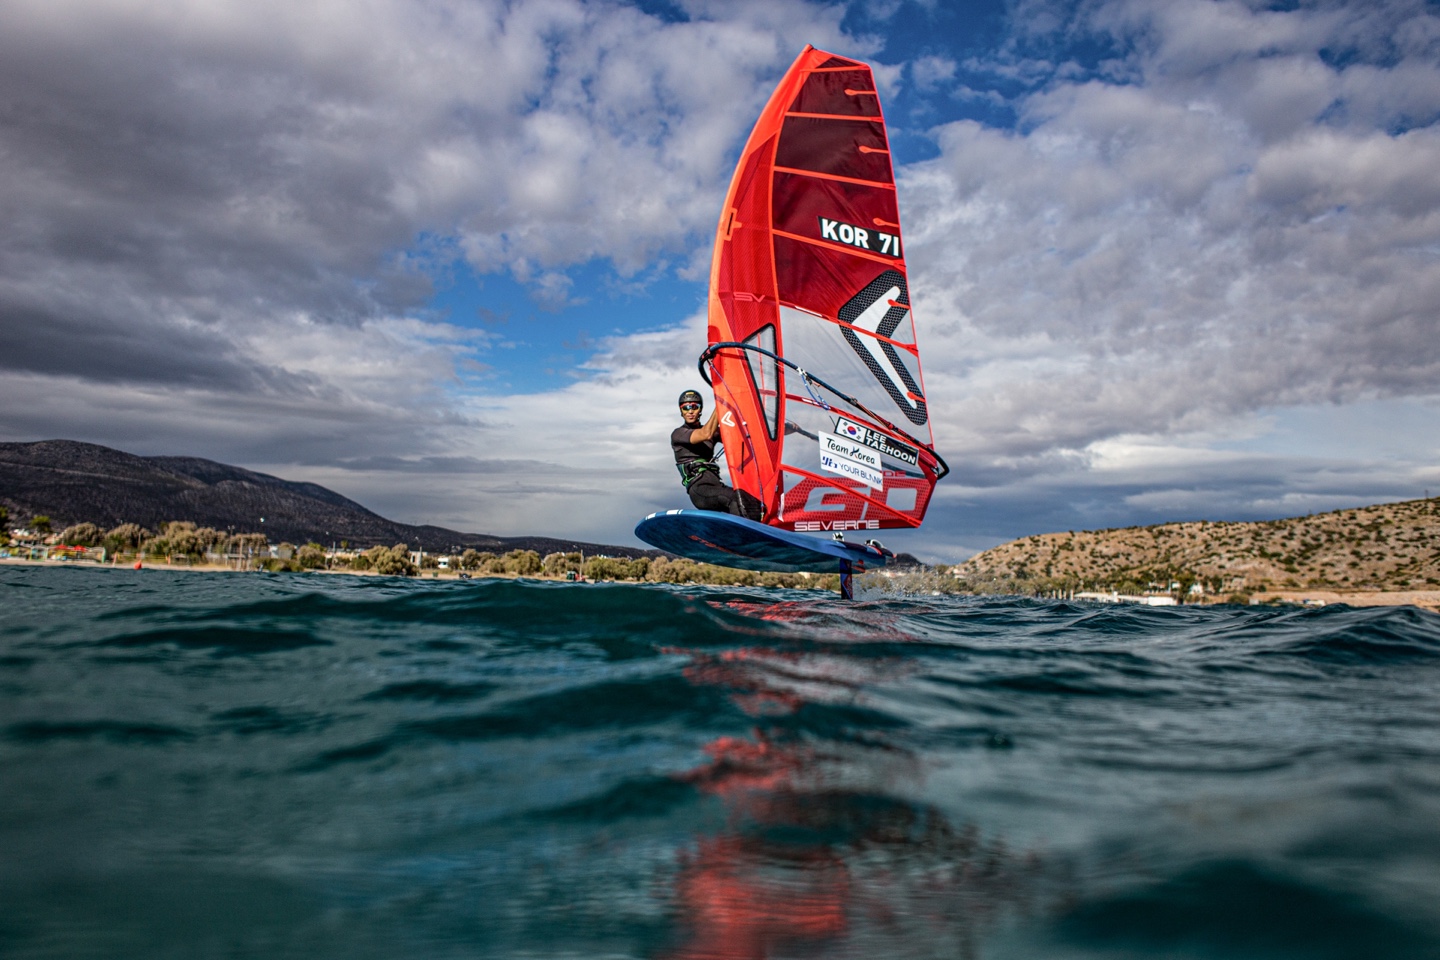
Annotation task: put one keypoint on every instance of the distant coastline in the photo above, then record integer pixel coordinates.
(1389, 550)
(665, 571)
(906, 582)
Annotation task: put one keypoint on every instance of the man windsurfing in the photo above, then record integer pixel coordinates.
(694, 447)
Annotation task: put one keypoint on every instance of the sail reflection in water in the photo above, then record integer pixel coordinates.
(818, 851)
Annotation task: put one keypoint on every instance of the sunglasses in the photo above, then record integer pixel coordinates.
(691, 406)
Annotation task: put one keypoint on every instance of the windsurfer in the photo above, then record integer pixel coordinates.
(694, 447)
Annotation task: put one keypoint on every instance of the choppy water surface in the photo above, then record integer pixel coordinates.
(197, 765)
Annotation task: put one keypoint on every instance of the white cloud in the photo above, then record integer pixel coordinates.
(929, 72)
(1161, 256)
(586, 461)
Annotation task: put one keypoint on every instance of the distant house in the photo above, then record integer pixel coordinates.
(1114, 597)
(64, 552)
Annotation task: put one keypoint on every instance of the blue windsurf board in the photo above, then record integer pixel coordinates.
(731, 541)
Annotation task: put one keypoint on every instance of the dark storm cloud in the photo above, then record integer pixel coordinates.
(251, 196)
(40, 340)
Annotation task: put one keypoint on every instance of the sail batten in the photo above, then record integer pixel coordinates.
(813, 353)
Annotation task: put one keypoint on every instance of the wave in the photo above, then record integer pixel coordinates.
(516, 768)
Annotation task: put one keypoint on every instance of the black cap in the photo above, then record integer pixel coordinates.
(692, 396)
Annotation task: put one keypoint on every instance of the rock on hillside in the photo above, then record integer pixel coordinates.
(1387, 546)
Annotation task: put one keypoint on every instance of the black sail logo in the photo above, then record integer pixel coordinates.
(879, 308)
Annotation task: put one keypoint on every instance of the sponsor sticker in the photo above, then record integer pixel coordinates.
(814, 526)
(875, 241)
(855, 471)
(875, 440)
(850, 450)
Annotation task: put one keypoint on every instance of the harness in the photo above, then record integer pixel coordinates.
(692, 470)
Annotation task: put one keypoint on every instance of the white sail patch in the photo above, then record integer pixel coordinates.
(835, 457)
(853, 470)
(850, 450)
(850, 430)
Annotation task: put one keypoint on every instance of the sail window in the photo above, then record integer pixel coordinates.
(766, 374)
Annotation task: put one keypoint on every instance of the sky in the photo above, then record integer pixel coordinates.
(1169, 260)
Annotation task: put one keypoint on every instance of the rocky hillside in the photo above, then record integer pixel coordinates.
(1385, 547)
(73, 482)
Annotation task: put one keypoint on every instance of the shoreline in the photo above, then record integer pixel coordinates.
(1424, 599)
(222, 568)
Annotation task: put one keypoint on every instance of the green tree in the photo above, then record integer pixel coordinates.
(40, 523)
(559, 564)
(392, 561)
(127, 536)
(523, 562)
(616, 568)
(665, 570)
(211, 540)
(469, 560)
(81, 535)
(246, 544)
(311, 556)
(429, 562)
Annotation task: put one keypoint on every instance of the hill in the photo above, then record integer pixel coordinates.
(73, 482)
(1384, 547)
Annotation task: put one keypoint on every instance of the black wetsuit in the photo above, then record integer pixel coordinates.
(701, 476)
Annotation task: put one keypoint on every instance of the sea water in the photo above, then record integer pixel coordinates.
(201, 765)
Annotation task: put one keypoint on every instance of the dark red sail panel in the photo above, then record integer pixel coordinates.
(809, 274)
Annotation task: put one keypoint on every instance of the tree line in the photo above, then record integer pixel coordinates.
(176, 538)
(183, 538)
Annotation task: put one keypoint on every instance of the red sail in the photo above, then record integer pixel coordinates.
(812, 344)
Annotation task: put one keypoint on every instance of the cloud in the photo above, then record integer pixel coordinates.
(585, 461)
(929, 72)
(183, 171)
(1161, 256)
(242, 203)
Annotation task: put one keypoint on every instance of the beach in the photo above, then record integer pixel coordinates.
(1424, 599)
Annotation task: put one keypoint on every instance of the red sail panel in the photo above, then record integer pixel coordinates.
(809, 268)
